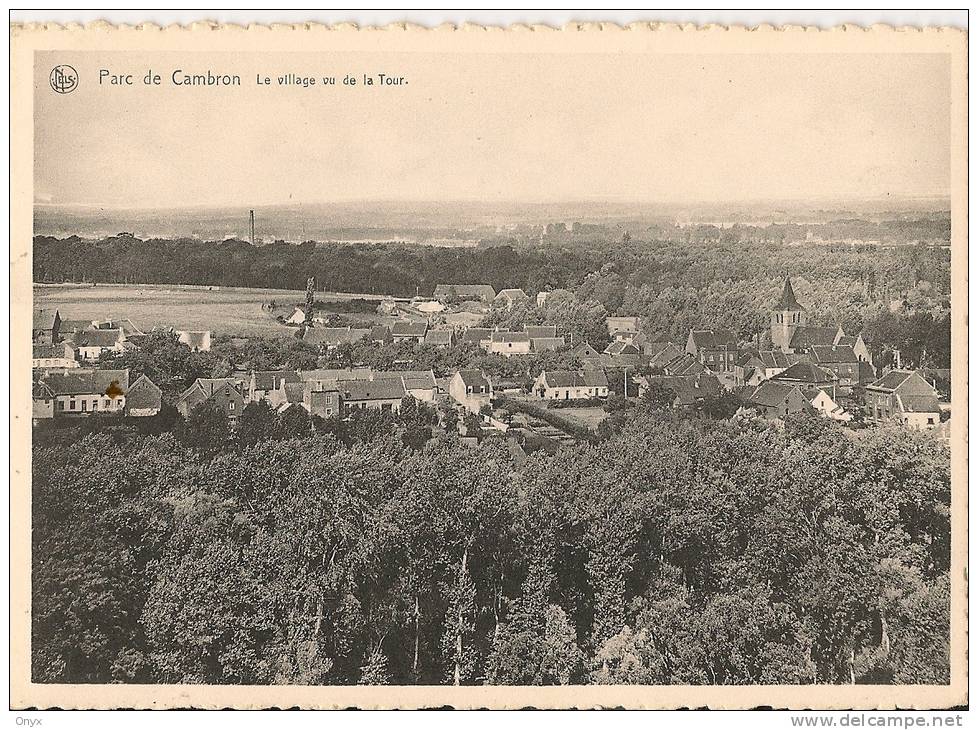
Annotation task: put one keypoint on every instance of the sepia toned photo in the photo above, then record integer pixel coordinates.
(471, 367)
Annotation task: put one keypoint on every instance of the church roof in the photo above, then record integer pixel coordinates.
(788, 301)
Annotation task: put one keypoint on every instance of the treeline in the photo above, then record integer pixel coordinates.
(720, 552)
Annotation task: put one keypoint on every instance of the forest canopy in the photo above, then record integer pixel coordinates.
(727, 552)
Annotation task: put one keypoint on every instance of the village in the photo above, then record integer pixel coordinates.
(808, 368)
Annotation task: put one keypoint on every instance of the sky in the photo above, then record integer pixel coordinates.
(528, 128)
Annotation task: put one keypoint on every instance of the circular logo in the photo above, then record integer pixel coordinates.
(64, 79)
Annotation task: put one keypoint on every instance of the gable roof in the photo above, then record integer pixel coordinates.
(57, 350)
(474, 378)
(918, 403)
(621, 347)
(380, 389)
(584, 350)
(804, 337)
(380, 333)
(787, 302)
(688, 388)
(512, 294)
(270, 379)
(903, 381)
(332, 375)
(714, 339)
(194, 339)
(412, 379)
(440, 337)
(536, 331)
(44, 319)
(587, 378)
(482, 291)
(683, 364)
(409, 329)
(806, 372)
(770, 393)
(547, 343)
(86, 381)
(212, 385)
(504, 336)
(98, 338)
(666, 354)
(476, 334)
(833, 353)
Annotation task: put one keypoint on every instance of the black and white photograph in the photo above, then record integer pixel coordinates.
(618, 361)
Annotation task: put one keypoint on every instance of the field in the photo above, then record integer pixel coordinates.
(589, 417)
(236, 311)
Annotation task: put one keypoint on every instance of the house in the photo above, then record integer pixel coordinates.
(906, 396)
(544, 344)
(449, 293)
(297, 317)
(59, 355)
(748, 370)
(621, 347)
(327, 378)
(776, 361)
(329, 338)
(42, 401)
(508, 344)
(69, 326)
(690, 390)
(46, 328)
(859, 347)
(840, 360)
(91, 343)
(619, 327)
(86, 391)
(196, 340)
(440, 338)
(509, 298)
(418, 383)
(716, 350)
(471, 389)
(380, 334)
(571, 384)
(772, 399)
(587, 355)
(144, 398)
(538, 331)
(684, 364)
(479, 336)
(826, 406)
(321, 401)
(409, 332)
(667, 354)
(263, 384)
(222, 392)
(809, 376)
(127, 326)
(381, 394)
(804, 338)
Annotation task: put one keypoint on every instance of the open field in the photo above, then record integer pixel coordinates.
(221, 310)
(589, 417)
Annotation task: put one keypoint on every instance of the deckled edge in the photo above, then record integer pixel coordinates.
(570, 27)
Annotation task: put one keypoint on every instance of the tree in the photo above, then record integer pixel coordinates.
(257, 422)
(206, 428)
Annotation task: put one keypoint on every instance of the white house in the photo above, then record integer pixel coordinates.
(90, 344)
(571, 384)
(508, 344)
(471, 389)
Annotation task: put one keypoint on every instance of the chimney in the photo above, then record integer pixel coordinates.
(252, 217)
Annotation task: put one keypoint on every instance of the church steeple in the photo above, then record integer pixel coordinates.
(788, 303)
(786, 317)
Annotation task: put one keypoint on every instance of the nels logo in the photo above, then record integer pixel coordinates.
(64, 79)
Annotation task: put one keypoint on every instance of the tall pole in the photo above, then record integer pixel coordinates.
(252, 217)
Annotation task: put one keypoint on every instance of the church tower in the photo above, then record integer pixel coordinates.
(786, 317)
